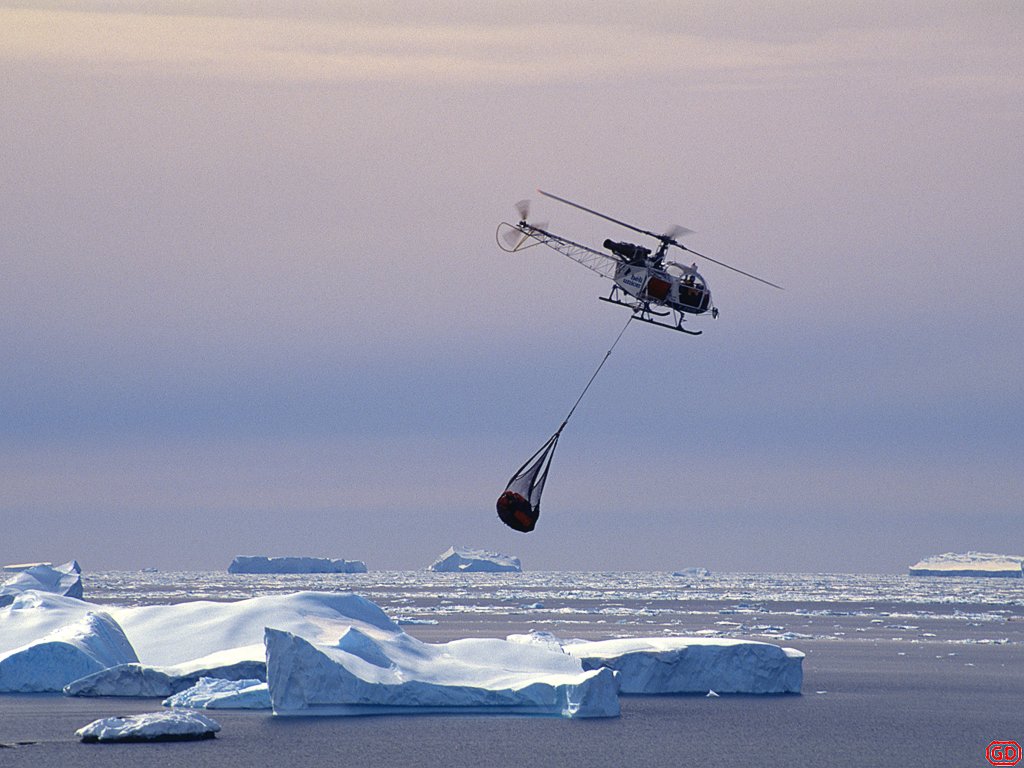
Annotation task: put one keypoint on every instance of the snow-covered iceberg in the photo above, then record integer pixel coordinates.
(167, 648)
(65, 580)
(259, 564)
(465, 560)
(695, 664)
(396, 674)
(969, 564)
(152, 726)
(338, 653)
(685, 664)
(212, 693)
(91, 643)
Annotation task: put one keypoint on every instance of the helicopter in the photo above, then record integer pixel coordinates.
(643, 280)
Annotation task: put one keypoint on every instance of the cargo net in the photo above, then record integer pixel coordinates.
(519, 505)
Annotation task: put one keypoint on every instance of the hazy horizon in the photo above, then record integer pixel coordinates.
(253, 303)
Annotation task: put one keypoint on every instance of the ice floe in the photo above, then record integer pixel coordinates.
(152, 726)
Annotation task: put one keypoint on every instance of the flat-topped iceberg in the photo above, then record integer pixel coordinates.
(152, 726)
(466, 560)
(369, 672)
(969, 564)
(258, 564)
(65, 580)
(685, 664)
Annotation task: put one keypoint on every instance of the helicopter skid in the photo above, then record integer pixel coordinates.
(645, 316)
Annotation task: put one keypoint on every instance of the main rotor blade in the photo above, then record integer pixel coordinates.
(603, 216)
(734, 269)
(677, 230)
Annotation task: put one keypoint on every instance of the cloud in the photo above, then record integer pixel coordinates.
(324, 45)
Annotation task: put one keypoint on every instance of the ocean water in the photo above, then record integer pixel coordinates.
(900, 671)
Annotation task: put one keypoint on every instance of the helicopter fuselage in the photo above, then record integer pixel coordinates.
(676, 287)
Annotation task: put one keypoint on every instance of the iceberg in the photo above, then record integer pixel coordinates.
(139, 680)
(54, 643)
(65, 580)
(693, 573)
(152, 726)
(340, 654)
(212, 693)
(72, 651)
(465, 560)
(969, 564)
(393, 673)
(256, 564)
(648, 665)
(212, 634)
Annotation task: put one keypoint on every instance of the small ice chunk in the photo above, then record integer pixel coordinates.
(152, 726)
(211, 693)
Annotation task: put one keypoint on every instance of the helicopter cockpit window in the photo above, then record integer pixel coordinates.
(687, 275)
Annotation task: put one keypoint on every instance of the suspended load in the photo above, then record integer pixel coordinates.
(519, 505)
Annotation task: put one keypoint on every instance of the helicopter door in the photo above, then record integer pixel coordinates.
(658, 288)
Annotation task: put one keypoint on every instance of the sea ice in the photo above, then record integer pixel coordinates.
(254, 564)
(465, 560)
(374, 672)
(152, 726)
(65, 580)
(969, 564)
(212, 693)
(686, 664)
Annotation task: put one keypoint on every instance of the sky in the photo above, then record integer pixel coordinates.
(251, 300)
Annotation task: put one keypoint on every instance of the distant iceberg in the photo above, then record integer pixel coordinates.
(969, 564)
(259, 564)
(696, 572)
(466, 560)
(65, 580)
